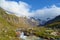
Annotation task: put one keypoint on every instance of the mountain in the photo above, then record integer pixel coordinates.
(9, 23)
(39, 21)
(54, 23)
(13, 20)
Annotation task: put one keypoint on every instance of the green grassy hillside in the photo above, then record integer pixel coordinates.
(7, 31)
(9, 23)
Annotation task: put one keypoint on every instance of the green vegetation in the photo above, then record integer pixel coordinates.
(43, 32)
(9, 23)
(7, 31)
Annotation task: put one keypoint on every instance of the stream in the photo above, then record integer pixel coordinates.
(32, 37)
(24, 37)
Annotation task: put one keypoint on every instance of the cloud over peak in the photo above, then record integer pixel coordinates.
(46, 12)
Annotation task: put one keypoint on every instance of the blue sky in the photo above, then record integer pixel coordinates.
(42, 9)
(39, 4)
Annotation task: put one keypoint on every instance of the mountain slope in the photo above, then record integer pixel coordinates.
(14, 20)
(9, 23)
(54, 23)
(6, 29)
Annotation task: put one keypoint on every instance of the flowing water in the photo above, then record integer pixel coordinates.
(23, 37)
(32, 37)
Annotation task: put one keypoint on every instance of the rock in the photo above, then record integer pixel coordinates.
(54, 33)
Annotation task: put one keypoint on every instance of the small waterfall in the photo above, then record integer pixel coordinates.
(22, 36)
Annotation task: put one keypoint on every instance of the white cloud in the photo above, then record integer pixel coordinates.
(45, 13)
(22, 9)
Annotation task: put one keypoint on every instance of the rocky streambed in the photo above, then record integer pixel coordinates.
(33, 37)
(30, 35)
